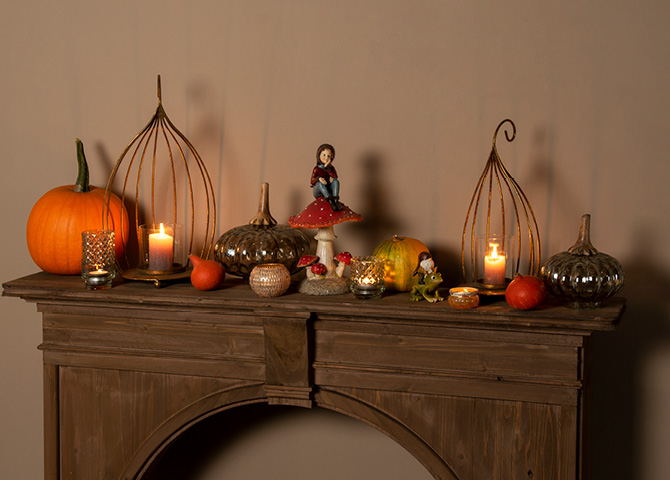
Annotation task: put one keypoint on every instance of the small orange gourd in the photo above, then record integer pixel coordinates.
(57, 219)
(401, 256)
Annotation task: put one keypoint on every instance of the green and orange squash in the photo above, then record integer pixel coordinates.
(401, 256)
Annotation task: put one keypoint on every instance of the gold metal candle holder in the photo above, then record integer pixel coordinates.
(163, 173)
(493, 233)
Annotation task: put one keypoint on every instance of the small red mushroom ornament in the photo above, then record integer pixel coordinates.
(343, 259)
(319, 270)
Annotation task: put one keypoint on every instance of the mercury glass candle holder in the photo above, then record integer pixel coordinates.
(161, 248)
(269, 279)
(367, 277)
(98, 262)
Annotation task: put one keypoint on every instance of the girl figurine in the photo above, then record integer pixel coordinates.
(324, 180)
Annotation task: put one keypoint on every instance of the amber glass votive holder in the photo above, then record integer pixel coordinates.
(98, 262)
(463, 297)
(367, 277)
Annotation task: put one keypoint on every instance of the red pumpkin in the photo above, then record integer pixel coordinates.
(401, 256)
(206, 274)
(525, 292)
(57, 219)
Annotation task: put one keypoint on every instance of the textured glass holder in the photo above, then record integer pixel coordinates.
(269, 279)
(98, 263)
(367, 277)
(161, 248)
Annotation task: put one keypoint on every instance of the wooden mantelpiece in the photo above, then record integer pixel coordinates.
(489, 393)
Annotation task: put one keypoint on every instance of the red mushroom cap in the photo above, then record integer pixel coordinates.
(344, 257)
(319, 269)
(319, 214)
(307, 260)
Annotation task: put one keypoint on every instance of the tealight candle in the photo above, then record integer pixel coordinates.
(160, 250)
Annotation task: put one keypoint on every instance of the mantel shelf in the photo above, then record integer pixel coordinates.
(494, 312)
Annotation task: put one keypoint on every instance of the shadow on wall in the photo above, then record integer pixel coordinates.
(619, 360)
(379, 222)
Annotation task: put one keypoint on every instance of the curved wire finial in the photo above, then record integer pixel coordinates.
(495, 135)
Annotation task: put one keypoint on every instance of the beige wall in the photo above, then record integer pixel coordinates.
(408, 90)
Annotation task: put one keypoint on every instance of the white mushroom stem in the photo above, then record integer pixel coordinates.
(339, 270)
(324, 248)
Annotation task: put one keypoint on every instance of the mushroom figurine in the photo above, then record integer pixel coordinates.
(324, 212)
(343, 259)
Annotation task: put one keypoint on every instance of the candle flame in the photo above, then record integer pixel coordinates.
(494, 252)
(162, 229)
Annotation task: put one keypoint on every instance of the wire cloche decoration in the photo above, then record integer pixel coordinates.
(165, 179)
(499, 222)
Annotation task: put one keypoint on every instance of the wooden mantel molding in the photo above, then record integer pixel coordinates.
(485, 393)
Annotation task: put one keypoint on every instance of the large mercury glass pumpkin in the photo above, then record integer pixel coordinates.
(262, 241)
(583, 276)
(401, 256)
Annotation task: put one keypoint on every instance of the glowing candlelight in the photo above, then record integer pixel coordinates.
(494, 267)
(160, 250)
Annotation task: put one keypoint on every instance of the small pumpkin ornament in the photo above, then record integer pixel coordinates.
(53, 233)
(263, 240)
(206, 274)
(400, 255)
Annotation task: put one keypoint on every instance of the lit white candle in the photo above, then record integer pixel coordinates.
(494, 267)
(160, 250)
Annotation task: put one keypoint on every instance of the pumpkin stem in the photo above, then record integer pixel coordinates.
(81, 186)
(263, 216)
(583, 245)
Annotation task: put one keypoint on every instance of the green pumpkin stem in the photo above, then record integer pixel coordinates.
(81, 186)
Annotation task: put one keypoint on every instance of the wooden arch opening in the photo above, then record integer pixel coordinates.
(184, 443)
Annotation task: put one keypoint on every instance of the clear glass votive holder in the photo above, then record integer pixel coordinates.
(367, 277)
(161, 248)
(98, 261)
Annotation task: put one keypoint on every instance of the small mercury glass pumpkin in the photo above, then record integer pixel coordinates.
(241, 248)
(583, 276)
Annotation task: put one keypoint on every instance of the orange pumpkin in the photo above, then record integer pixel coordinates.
(401, 256)
(57, 219)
